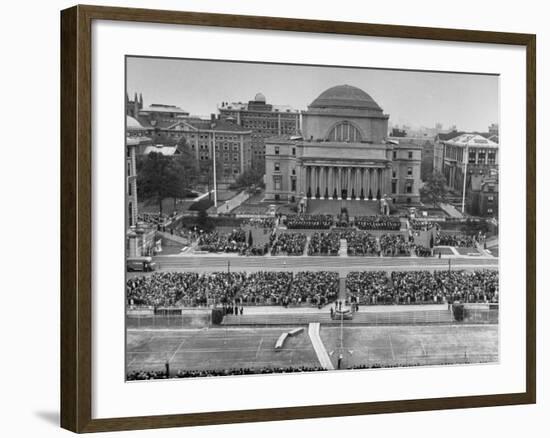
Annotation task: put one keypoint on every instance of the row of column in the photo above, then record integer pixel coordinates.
(346, 182)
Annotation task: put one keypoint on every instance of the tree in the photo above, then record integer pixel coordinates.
(252, 176)
(435, 188)
(154, 178)
(203, 221)
(161, 176)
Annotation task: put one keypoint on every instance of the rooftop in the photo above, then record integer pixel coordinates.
(345, 96)
(472, 140)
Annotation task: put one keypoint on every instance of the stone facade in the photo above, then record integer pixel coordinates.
(342, 154)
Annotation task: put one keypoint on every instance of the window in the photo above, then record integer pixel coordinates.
(409, 188)
(393, 174)
(293, 151)
(293, 171)
(490, 210)
(277, 150)
(472, 157)
(409, 171)
(410, 155)
(490, 198)
(344, 132)
(277, 183)
(293, 184)
(395, 155)
(277, 166)
(394, 187)
(481, 157)
(491, 158)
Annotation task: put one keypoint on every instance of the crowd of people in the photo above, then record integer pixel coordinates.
(324, 244)
(460, 240)
(292, 244)
(159, 289)
(181, 374)
(308, 221)
(268, 287)
(392, 245)
(386, 223)
(235, 241)
(422, 251)
(420, 287)
(260, 222)
(449, 286)
(367, 286)
(318, 288)
(234, 289)
(166, 289)
(361, 243)
(421, 225)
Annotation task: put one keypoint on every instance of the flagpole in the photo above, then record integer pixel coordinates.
(214, 159)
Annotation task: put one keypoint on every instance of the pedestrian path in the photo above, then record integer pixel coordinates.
(319, 347)
(342, 290)
(343, 251)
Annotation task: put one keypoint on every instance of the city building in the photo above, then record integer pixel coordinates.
(483, 195)
(228, 142)
(263, 119)
(139, 237)
(427, 165)
(343, 153)
(470, 153)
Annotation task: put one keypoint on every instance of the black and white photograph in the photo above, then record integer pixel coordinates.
(287, 218)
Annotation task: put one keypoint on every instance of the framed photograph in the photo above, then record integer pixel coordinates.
(268, 219)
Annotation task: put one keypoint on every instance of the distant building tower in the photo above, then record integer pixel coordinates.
(133, 107)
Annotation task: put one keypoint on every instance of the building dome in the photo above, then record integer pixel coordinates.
(345, 96)
(259, 98)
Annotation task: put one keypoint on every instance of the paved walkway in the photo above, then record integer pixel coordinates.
(319, 347)
(451, 211)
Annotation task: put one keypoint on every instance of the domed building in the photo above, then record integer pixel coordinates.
(342, 154)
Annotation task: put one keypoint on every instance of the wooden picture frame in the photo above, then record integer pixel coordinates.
(76, 218)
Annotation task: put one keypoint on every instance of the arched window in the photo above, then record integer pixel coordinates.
(344, 131)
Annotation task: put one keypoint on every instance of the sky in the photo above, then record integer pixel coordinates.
(415, 98)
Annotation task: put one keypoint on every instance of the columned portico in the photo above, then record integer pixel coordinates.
(324, 181)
